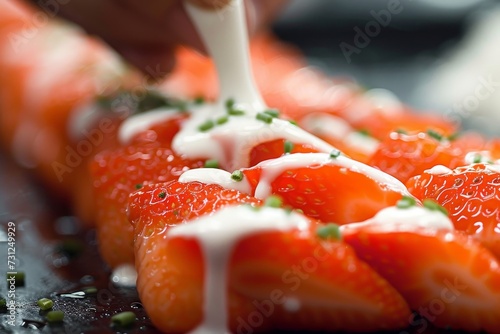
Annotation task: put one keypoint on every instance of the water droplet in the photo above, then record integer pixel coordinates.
(125, 276)
(87, 279)
(67, 225)
(32, 324)
(136, 305)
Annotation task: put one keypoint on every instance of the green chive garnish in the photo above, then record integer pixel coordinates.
(454, 136)
(236, 112)
(264, 117)
(288, 147)
(211, 163)
(55, 316)
(406, 202)
(329, 231)
(199, 100)
(335, 154)
(45, 304)
(237, 175)
(477, 158)
(434, 206)
(364, 132)
(291, 121)
(434, 134)
(123, 319)
(207, 125)
(91, 290)
(401, 131)
(273, 112)
(273, 202)
(70, 247)
(18, 278)
(221, 120)
(162, 194)
(138, 186)
(229, 103)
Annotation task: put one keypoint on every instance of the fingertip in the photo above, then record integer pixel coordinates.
(155, 64)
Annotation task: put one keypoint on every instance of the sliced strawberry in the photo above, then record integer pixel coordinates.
(406, 155)
(447, 277)
(470, 194)
(277, 279)
(172, 203)
(275, 149)
(331, 188)
(117, 173)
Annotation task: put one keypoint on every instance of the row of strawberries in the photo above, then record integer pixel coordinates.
(376, 274)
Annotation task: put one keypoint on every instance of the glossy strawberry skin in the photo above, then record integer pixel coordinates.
(406, 155)
(264, 269)
(117, 173)
(171, 203)
(471, 195)
(330, 192)
(446, 276)
(275, 149)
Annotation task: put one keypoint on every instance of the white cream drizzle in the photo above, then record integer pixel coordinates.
(215, 176)
(439, 170)
(472, 157)
(273, 168)
(411, 219)
(218, 234)
(325, 124)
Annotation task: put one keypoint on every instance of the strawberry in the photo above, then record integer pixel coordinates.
(447, 277)
(172, 203)
(119, 172)
(331, 188)
(276, 278)
(405, 155)
(471, 194)
(275, 149)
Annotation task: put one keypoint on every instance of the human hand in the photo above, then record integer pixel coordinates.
(146, 33)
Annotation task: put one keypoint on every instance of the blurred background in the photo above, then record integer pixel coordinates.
(434, 55)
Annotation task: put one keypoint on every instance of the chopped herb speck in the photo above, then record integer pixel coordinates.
(434, 134)
(273, 202)
(273, 112)
(211, 163)
(264, 117)
(406, 202)
(335, 154)
(434, 206)
(288, 147)
(55, 316)
(236, 112)
(221, 120)
(329, 231)
(237, 175)
(123, 319)
(45, 304)
(207, 125)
